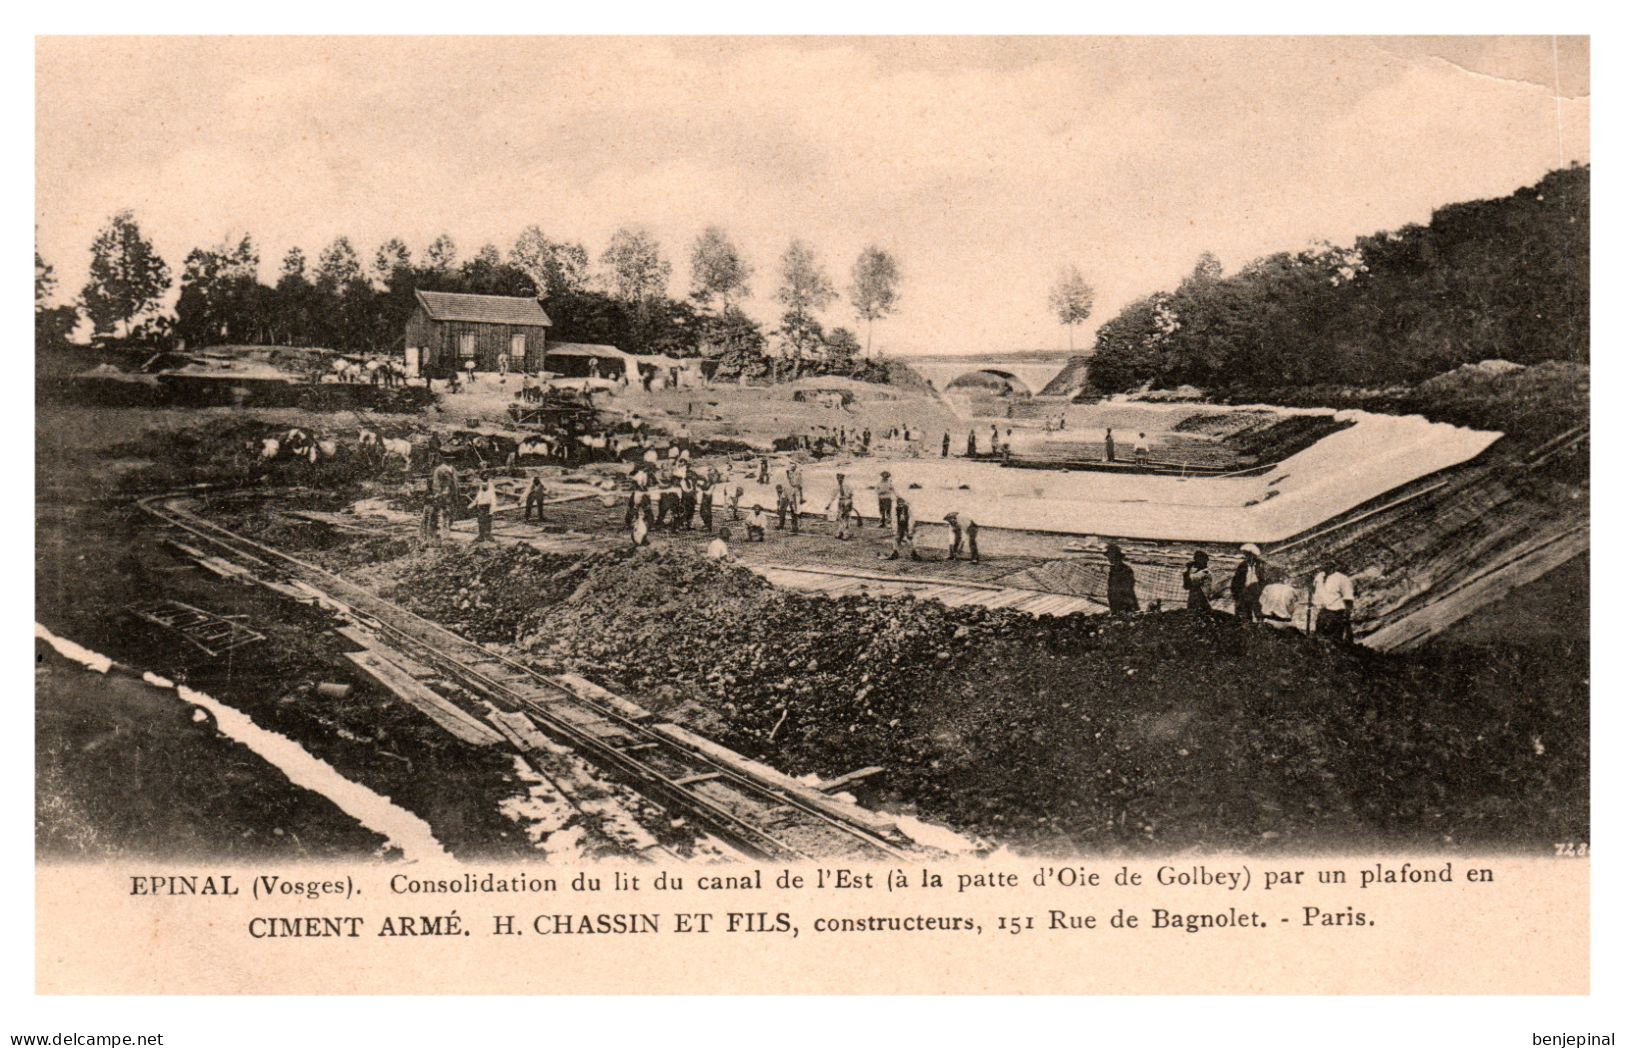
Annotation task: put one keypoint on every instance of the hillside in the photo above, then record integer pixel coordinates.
(1503, 279)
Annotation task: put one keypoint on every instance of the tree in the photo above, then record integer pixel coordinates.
(736, 343)
(219, 294)
(804, 290)
(392, 255)
(337, 266)
(874, 288)
(634, 269)
(841, 352)
(487, 274)
(554, 267)
(718, 269)
(1207, 267)
(1071, 299)
(127, 277)
(440, 257)
(293, 313)
(52, 324)
(44, 282)
(294, 265)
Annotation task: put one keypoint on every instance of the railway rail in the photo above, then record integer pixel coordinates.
(753, 813)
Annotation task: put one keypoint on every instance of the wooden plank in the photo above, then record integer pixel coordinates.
(874, 822)
(585, 688)
(695, 780)
(436, 707)
(522, 732)
(370, 642)
(831, 785)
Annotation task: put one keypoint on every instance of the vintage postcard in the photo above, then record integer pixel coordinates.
(846, 515)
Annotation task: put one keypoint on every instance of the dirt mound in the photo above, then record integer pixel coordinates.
(1163, 731)
(1481, 371)
(486, 592)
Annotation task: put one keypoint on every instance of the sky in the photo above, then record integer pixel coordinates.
(983, 164)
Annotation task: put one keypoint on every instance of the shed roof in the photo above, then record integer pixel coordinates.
(484, 309)
(585, 349)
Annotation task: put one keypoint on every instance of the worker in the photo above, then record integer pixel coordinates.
(1332, 603)
(640, 518)
(688, 499)
(903, 531)
(1197, 580)
(970, 445)
(945, 444)
(706, 502)
(533, 499)
(733, 501)
(484, 504)
(1278, 605)
(1111, 446)
(443, 483)
(756, 526)
(963, 537)
(718, 549)
(787, 510)
(792, 481)
(993, 440)
(1247, 584)
(640, 492)
(761, 472)
(1120, 596)
(843, 507)
(885, 492)
(670, 500)
(426, 522)
(1142, 450)
(468, 369)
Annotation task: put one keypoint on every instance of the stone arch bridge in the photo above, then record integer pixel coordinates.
(1026, 375)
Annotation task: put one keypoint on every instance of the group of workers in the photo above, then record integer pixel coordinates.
(1259, 589)
(443, 504)
(674, 494)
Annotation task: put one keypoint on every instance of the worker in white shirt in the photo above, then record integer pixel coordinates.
(484, 504)
(718, 549)
(1278, 605)
(1333, 603)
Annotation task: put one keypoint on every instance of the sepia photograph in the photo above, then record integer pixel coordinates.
(743, 454)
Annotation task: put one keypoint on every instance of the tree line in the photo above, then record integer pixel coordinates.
(1506, 279)
(346, 301)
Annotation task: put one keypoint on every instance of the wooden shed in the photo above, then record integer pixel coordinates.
(447, 329)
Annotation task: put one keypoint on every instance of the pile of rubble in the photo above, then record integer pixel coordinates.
(1163, 731)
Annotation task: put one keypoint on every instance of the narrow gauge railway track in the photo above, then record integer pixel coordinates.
(751, 814)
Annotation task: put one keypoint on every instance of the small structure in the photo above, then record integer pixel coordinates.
(445, 330)
(584, 360)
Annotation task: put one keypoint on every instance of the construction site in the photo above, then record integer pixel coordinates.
(256, 638)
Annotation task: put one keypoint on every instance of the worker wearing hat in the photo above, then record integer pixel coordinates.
(1120, 596)
(886, 492)
(1247, 584)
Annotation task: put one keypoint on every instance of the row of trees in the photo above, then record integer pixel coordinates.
(348, 302)
(1505, 278)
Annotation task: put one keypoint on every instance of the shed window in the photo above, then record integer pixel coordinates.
(516, 346)
(465, 346)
